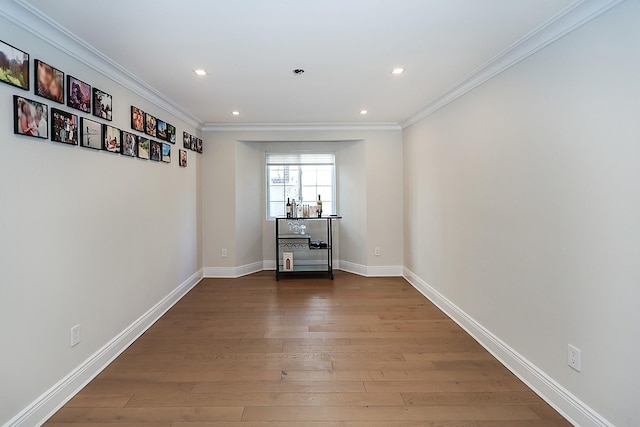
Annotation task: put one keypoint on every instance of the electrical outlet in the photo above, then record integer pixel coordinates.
(574, 358)
(376, 251)
(224, 252)
(75, 336)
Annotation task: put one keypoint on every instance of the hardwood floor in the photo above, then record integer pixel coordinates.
(306, 352)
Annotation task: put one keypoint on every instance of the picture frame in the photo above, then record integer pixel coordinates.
(166, 152)
(182, 158)
(102, 104)
(186, 140)
(150, 124)
(14, 66)
(199, 145)
(64, 127)
(171, 133)
(78, 94)
(161, 129)
(30, 118)
(49, 82)
(137, 119)
(194, 143)
(144, 145)
(90, 134)
(155, 152)
(112, 139)
(129, 144)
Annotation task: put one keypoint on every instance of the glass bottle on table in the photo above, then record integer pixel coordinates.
(319, 206)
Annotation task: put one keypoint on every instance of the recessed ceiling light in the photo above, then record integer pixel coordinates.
(298, 71)
(363, 112)
(200, 72)
(235, 113)
(398, 70)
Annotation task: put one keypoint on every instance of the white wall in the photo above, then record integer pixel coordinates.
(522, 207)
(369, 177)
(86, 237)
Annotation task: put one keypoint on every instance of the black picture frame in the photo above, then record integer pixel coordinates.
(49, 82)
(155, 152)
(150, 124)
(64, 127)
(199, 145)
(161, 129)
(30, 118)
(90, 134)
(186, 140)
(182, 158)
(171, 133)
(102, 104)
(194, 143)
(129, 144)
(78, 94)
(137, 119)
(144, 145)
(112, 139)
(14, 66)
(166, 152)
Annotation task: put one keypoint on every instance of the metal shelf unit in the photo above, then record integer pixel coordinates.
(291, 242)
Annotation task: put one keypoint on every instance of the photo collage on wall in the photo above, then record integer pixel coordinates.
(152, 127)
(189, 142)
(35, 119)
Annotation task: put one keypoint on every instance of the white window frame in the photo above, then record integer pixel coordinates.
(305, 158)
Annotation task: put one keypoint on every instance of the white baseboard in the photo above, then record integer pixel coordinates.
(572, 408)
(233, 272)
(371, 271)
(53, 399)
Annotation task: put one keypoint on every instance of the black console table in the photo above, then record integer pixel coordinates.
(296, 243)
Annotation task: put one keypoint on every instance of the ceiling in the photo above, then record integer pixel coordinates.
(346, 47)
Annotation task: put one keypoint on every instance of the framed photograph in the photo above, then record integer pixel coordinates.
(182, 159)
(102, 104)
(287, 261)
(129, 144)
(166, 152)
(112, 141)
(137, 119)
(143, 147)
(186, 140)
(194, 143)
(199, 145)
(30, 118)
(161, 131)
(151, 125)
(14, 66)
(90, 134)
(49, 82)
(78, 94)
(156, 151)
(171, 133)
(64, 127)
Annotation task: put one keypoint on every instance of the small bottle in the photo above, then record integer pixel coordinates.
(288, 208)
(319, 207)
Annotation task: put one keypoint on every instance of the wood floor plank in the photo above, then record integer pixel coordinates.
(353, 352)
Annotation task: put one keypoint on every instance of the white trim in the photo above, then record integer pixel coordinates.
(572, 408)
(32, 20)
(299, 127)
(569, 19)
(233, 272)
(53, 399)
(371, 271)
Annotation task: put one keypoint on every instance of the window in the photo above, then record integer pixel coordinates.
(300, 177)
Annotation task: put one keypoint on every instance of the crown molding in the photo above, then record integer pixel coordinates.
(32, 20)
(299, 127)
(566, 21)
